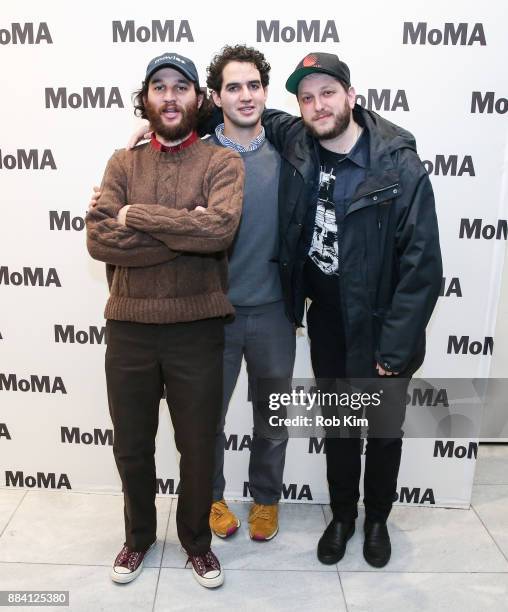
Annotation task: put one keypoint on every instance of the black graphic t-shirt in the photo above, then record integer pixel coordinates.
(339, 177)
(324, 249)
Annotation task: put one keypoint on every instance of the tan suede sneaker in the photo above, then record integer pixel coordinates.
(222, 521)
(263, 522)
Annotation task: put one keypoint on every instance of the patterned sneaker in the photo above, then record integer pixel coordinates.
(263, 522)
(206, 569)
(222, 521)
(128, 564)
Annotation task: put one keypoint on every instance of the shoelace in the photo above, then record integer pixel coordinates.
(200, 564)
(212, 560)
(205, 562)
(218, 511)
(128, 558)
(123, 556)
(261, 512)
(133, 559)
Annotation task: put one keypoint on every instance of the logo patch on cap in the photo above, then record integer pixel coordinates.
(310, 60)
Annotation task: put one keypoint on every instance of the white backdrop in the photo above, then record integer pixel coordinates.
(422, 65)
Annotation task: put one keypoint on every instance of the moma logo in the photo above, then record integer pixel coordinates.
(488, 103)
(167, 486)
(31, 159)
(68, 334)
(26, 34)
(30, 277)
(304, 31)
(316, 445)
(450, 34)
(89, 97)
(41, 480)
(99, 437)
(451, 449)
(158, 31)
(384, 99)
(427, 397)
(4, 431)
(450, 165)
(34, 383)
(63, 221)
(462, 345)
(450, 287)
(289, 491)
(415, 495)
(232, 442)
(475, 228)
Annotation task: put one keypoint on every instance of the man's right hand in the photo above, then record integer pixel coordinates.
(95, 197)
(142, 133)
(382, 372)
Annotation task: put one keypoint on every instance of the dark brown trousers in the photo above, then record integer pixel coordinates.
(186, 358)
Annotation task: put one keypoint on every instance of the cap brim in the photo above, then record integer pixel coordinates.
(294, 80)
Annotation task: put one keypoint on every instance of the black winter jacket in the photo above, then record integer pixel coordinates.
(390, 259)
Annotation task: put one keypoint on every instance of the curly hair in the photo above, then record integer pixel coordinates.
(236, 53)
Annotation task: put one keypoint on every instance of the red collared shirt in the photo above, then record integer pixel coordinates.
(174, 149)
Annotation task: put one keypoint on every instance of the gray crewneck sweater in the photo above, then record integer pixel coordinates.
(253, 257)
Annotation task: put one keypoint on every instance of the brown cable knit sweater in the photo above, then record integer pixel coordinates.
(168, 264)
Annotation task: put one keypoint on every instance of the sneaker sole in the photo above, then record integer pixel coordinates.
(229, 532)
(126, 578)
(209, 583)
(270, 537)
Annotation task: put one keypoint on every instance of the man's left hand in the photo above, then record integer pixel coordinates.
(95, 198)
(122, 214)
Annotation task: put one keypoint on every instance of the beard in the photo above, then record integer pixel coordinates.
(342, 121)
(187, 124)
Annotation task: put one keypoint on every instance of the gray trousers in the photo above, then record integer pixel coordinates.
(266, 338)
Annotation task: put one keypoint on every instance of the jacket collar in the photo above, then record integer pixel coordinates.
(384, 139)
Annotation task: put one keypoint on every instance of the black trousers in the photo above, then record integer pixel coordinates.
(343, 454)
(187, 359)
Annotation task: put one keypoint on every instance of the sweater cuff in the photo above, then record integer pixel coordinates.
(138, 218)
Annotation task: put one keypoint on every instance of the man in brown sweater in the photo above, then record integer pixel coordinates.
(167, 213)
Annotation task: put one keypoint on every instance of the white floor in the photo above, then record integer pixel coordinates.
(442, 560)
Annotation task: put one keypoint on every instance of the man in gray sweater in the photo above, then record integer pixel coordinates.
(238, 78)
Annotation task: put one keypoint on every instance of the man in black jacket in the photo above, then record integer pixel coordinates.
(359, 237)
